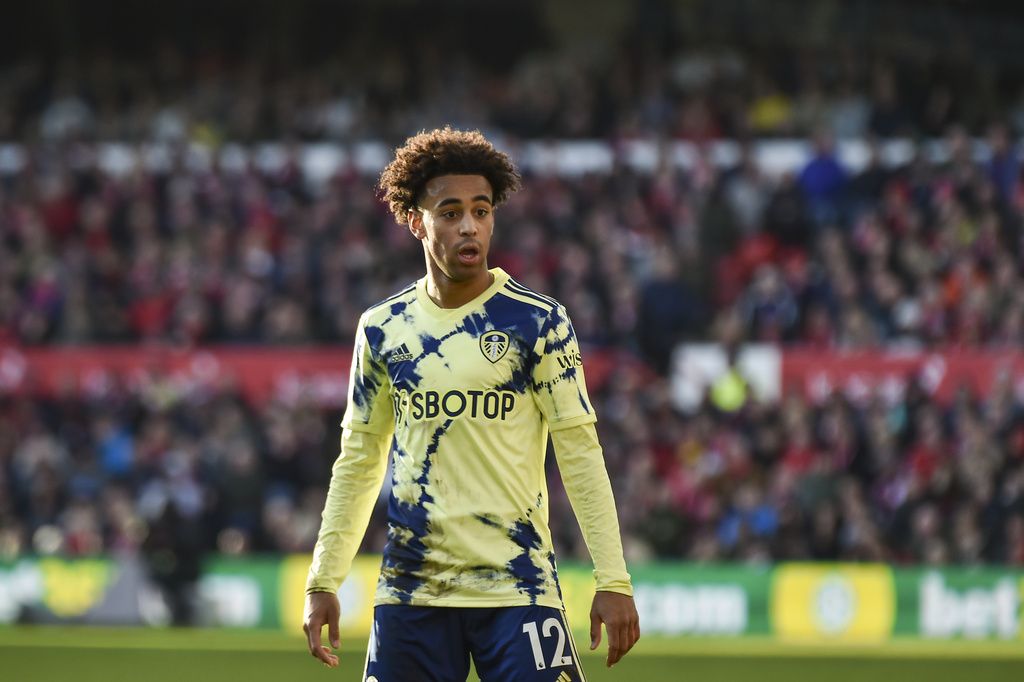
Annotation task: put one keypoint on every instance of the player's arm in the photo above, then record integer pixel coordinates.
(355, 483)
(561, 394)
(581, 464)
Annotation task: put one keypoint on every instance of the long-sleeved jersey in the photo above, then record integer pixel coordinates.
(463, 399)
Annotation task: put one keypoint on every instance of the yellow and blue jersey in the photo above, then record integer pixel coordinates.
(470, 395)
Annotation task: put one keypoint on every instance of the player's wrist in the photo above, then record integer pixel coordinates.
(624, 590)
(320, 590)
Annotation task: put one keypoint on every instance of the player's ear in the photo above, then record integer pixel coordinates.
(415, 220)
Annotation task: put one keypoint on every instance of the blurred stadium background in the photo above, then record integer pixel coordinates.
(789, 234)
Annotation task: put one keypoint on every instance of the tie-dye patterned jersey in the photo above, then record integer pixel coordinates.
(470, 394)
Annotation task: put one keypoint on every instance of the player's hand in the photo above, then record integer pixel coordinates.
(618, 613)
(322, 609)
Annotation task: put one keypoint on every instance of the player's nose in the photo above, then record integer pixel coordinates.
(467, 226)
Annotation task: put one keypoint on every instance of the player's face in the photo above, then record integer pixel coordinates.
(454, 220)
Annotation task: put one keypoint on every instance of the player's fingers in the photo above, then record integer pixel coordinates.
(329, 659)
(324, 655)
(614, 645)
(313, 640)
(332, 633)
(627, 640)
(310, 639)
(595, 630)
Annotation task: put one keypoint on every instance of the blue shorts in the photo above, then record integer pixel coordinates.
(435, 643)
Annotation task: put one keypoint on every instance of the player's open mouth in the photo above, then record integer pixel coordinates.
(469, 254)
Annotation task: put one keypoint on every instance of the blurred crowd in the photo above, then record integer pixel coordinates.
(671, 72)
(911, 481)
(923, 255)
(697, 95)
(172, 478)
(926, 254)
(155, 472)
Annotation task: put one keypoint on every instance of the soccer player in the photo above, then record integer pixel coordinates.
(461, 377)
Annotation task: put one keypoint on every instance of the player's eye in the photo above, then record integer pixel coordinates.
(482, 212)
(449, 215)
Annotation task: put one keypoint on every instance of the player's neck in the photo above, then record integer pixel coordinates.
(449, 293)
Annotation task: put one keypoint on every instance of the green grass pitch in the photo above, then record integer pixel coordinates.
(50, 654)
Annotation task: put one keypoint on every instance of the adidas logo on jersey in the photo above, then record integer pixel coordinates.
(564, 677)
(400, 354)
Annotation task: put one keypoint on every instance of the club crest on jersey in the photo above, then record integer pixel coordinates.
(494, 345)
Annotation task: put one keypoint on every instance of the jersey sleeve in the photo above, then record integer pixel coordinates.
(369, 406)
(558, 384)
(355, 482)
(581, 463)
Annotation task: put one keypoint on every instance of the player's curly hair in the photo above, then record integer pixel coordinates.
(444, 151)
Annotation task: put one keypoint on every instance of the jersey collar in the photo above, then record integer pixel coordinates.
(500, 278)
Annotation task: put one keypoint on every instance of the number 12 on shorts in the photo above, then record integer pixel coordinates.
(550, 624)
